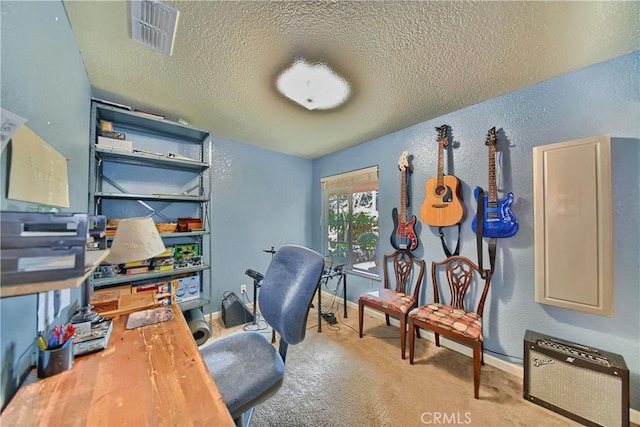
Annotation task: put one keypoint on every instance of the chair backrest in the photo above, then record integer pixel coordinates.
(287, 290)
(407, 271)
(460, 273)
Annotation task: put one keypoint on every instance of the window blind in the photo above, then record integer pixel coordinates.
(360, 180)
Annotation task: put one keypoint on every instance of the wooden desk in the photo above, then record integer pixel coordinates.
(149, 376)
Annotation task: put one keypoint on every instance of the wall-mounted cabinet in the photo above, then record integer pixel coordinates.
(160, 170)
(573, 225)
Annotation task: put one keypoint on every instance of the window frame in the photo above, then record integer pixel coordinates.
(365, 179)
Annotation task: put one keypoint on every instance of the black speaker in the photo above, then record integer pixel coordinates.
(583, 383)
(234, 312)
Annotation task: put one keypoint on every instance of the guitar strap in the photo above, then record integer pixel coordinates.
(492, 241)
(447, 252)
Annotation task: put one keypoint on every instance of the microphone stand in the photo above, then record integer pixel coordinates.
(257, 278)
(271, 251)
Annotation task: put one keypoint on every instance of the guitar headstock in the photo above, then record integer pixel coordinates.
(442, 134)
(403, 161)
(491, 137)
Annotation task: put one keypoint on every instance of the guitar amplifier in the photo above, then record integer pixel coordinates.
(234, 312)
(588, 385)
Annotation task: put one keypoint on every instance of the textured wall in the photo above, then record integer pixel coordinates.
(43, 80)
(597, 100)
(259, 199)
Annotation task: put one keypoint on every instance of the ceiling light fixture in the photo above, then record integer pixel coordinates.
(314, 86)
(154, 24)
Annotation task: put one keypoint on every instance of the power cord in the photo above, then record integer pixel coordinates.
(260, 325)
(329, 309)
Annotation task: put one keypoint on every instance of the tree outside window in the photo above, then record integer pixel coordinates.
(351, 226)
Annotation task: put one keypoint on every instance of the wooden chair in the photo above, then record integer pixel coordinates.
(454, 321)
(407, 273)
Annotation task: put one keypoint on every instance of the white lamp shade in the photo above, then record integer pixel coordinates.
(136, 239)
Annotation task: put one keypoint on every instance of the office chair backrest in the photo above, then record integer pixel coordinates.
(287, 290)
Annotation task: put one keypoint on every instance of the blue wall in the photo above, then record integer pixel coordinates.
(601, 99)
(43, 80)
(259, 199)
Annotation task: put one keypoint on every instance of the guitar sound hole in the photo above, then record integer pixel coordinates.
(444, 192)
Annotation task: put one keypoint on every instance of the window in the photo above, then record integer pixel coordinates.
(350, 208)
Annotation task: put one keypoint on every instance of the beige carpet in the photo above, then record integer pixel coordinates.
(334, 378)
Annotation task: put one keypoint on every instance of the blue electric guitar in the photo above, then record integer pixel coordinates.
(498, 220)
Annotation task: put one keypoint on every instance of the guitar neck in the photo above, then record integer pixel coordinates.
(403, 198)
(441, 144)
(493, 191)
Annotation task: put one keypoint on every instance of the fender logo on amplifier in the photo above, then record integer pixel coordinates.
(586, 384)
(538, 361)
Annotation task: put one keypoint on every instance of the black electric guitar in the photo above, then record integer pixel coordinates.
(403, 236)
(498, 220)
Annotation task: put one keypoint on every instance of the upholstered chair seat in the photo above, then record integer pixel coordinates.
(459, 281)
(402, 279)
(245, 366)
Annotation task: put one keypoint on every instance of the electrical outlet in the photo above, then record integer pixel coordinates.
(243, 289)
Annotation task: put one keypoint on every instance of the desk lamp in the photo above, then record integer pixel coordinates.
(136, 239)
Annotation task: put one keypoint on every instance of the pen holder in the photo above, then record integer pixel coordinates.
(54, 361)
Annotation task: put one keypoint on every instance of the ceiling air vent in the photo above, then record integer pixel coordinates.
(153, 24)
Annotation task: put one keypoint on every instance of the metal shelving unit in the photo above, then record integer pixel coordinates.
(165, 177)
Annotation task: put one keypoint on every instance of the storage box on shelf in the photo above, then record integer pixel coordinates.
(165, 175)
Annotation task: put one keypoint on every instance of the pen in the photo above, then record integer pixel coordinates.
(58, 337)
(41, 344)
(53, 342)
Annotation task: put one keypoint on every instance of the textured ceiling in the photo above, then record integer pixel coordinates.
(407, 62)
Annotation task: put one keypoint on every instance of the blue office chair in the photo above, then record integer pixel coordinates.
(245, 366)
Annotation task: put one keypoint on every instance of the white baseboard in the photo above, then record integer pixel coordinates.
(214, 315)
(503, 365)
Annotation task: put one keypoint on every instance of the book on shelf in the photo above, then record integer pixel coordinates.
(112, 134)
(149, 153)
(177, 156)
(135, 270)
(148, 114)
(115, 104)
(115, 144)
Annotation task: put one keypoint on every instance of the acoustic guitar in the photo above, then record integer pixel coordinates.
(442, 205)
(403, 237)
(498, 220)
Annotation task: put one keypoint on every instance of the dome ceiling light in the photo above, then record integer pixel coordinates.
(314, 86)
